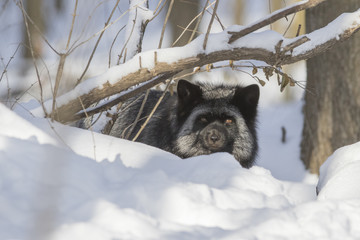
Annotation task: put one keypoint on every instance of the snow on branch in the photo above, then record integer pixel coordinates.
(139, 16)
(152, 67)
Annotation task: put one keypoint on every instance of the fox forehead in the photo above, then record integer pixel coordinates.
(218, 93)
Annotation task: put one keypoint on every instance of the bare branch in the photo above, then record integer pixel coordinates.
(28, 18)
(8, 63)
(124, 49)
(157, 11)
(274, 17)
(198, 22)
(124, 96)
(113, 42)
(152, 112)
(187, 27)
(20, 4)
(62, 62)
(97, 43)
(57, 82)
(165, 22)
(138, 114)
(131, 93)
(210, 24)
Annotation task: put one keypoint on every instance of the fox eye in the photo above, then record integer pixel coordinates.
(203, 120)
(228, 121)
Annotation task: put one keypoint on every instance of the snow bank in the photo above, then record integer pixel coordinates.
(52, 190)
(339, 175)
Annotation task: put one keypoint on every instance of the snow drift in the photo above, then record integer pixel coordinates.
(53, 190)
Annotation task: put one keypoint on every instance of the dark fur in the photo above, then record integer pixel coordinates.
(199, 119)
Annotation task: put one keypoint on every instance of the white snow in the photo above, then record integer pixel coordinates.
(332, 31)
(339, 175)
(60, 182)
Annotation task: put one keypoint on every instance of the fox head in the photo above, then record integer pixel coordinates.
(217, 119)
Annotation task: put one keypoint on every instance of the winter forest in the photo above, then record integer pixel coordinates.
(71, 70)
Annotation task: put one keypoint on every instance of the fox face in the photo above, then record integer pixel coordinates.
(217, 119)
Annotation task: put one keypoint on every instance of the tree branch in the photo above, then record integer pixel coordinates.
(276, 51)
(274, 17)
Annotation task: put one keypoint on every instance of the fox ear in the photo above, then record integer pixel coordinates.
(246, 99)
(188, 92)
(189, 95)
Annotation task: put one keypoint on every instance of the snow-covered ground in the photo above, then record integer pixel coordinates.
(60, 182)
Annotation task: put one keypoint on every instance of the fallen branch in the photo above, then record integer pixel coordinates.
(276, 51)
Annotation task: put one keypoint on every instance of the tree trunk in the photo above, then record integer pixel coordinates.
(332, 97)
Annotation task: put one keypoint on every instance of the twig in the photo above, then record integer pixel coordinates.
(127, 41)
(28, 18)
(210, 24)
(130, 94)
(73, 46)
(269, 4)
(57, 83)
(165, 22)
(20, 4)
(298, 30)
(158, 6)
(122, 97)
(288, 27)
(72, 25)
(156, 11)
(113, 42)
(295, 44)
(219, 21)
(8, 63)
(97, 43)
(139, 114)
(273, 17)
(132, 52)
(92, 131)
(62, 63)
(152, 111)
(187, 27)
(198, 21)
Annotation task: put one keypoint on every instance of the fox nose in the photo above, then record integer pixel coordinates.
(214, 137)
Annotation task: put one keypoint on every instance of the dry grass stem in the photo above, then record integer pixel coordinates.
(165, 22)
(187, 27)
(97, 43)
(198, 22)
(210, 24)
(152, 111)
(20, 4)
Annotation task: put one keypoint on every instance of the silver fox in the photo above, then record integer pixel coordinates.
(199, 119)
